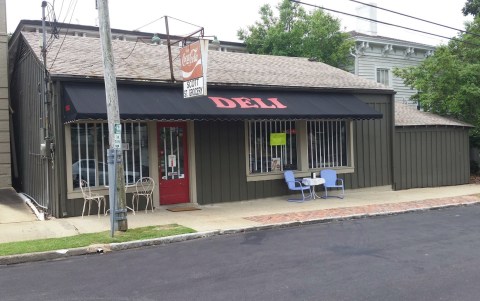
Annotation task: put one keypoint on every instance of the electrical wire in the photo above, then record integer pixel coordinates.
(386, 23)
(61, 8)
(65, 35)
(415, 18)
(68, 9)
(136, 41)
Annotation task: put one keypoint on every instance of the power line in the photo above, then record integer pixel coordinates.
(66, 32)
(61, 8)
(386, 23)
(415, 18)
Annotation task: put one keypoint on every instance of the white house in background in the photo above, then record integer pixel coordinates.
(377, 56)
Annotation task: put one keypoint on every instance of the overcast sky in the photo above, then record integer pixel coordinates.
(224, 17)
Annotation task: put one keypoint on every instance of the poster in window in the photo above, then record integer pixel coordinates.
(172, 161)
(276, 164)
(278, 139)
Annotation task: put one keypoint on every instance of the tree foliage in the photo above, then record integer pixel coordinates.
(298, 33)
(449, 81)
(472, 7)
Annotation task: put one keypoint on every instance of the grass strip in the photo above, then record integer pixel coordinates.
(87, 239)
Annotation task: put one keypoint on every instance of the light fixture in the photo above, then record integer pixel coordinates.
(156, 39)
(216, 41)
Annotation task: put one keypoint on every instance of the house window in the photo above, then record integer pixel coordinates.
(383, 76)
(89, 143)
(272, 146)
(327, 144)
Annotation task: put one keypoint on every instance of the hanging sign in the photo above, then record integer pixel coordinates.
(193, 62)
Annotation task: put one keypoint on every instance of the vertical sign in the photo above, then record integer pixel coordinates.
(117, 136)
(193, 60)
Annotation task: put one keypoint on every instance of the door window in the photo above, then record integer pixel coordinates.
(172, 165)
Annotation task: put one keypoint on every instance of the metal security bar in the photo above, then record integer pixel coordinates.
(172, 146)
(264, 157)
(327, 144)
(89, 146)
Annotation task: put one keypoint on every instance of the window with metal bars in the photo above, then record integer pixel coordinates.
(89, 144)
(266, 156)
(327, 144)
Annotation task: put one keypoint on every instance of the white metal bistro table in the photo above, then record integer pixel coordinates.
(312, 182)
(126, 187)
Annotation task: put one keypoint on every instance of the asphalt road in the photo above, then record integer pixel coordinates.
(431, 255)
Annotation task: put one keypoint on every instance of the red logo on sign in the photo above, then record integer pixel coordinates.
(191, 61)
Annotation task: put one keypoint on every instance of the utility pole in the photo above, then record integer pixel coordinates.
(46, 146)
(118, 214)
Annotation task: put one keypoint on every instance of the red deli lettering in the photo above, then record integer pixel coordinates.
(247, 103)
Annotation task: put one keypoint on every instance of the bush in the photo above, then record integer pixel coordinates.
(474, 167)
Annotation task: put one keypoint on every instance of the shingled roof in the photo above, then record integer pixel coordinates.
(408, 115)
(81, 57)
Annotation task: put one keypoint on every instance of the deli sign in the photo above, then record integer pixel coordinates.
(193, 60)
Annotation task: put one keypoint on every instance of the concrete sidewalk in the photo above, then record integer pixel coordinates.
(227, 217)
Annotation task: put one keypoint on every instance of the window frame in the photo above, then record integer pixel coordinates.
(72, 192)
(389, 75)
(303, 169)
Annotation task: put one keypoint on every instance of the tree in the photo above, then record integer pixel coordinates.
(449, 81)
(295, 32)
(472, 7)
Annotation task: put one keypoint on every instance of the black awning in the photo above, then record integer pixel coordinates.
(87, 102)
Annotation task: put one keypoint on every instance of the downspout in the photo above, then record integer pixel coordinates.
(392, 143)
(29, 201)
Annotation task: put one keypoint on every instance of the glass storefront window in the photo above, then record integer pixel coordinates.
(272, 146)
(327, 144)
(89, 144)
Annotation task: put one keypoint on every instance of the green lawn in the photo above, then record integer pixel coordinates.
(83, 240)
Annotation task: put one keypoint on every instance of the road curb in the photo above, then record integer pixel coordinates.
(104, 248)
(41, 256)
(161, 241)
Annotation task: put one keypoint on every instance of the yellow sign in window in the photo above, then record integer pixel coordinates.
(278, 139)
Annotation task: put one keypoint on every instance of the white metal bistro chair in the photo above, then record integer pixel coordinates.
(89, 197)
(144, 187)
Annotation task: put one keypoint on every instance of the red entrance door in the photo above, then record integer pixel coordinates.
(172, 158)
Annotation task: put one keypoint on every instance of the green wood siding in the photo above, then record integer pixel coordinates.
(372, 147)
(27, 108)
(220, 157)
(430, 157)
(221, 166)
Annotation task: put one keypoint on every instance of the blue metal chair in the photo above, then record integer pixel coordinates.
(296, 185)
(331, 181)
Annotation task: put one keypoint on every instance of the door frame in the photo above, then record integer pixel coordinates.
(186, 156)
